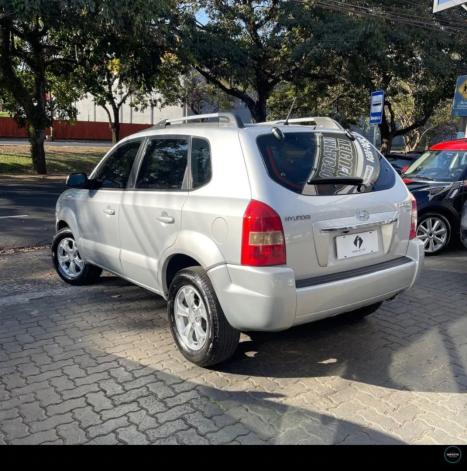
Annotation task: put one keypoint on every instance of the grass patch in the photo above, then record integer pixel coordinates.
(16, 159)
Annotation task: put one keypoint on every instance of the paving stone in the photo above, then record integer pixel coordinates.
(37, 438)
(190, 437)
(107, 427)
(119, 411)
(110, 439)
(99, 401)
(51, 422)
(89, 368)
(14, 428)
(66, 406)
(227, 434)
(166, 430)
(86, 416)
(80, 391)
(132, 436)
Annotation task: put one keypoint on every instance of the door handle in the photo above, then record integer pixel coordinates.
(166, 219)
(110, 212)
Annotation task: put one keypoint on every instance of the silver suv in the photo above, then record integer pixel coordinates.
(242, 227)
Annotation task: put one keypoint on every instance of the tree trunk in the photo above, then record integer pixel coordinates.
(115, 126)
(36, 138)
(258, 110)
(386, 144)
(386, 136)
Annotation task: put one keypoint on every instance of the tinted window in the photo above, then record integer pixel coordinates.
(299, 157)
(116, 168)
(200, 162)
(164, 164)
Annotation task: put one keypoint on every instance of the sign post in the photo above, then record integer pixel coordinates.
(440, 5)
(376, 111)
(459, 105)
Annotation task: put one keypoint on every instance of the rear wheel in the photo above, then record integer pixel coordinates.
(68, 262)
(434, 230)
(198, 324)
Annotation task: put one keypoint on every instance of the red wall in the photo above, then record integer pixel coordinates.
(86, 130)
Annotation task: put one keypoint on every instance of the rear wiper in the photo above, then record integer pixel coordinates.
(336, 181)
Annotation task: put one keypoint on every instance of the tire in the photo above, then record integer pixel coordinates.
(85, 274)
(360, 314)
(210, 339)
(434, 247)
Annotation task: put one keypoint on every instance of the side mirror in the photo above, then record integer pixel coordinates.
(77, 180)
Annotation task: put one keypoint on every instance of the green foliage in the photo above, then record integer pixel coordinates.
(120, 50)
(247, 48)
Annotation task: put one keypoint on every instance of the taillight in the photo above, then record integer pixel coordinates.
(263, 241)
(404, 168)
(413, 218)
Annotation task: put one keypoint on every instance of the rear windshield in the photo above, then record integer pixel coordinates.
(301, 156)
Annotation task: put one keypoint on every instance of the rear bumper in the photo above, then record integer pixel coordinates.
(268, 298)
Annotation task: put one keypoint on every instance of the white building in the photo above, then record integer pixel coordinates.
(89, 111)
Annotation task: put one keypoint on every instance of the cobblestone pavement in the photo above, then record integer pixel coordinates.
(97, 365)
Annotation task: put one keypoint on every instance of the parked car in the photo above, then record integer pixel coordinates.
(464, 226)
(401, 162)
(438, 180)
(242, 227)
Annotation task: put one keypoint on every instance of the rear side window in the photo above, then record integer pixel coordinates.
(164, 164)
(116, 168)
(200, 162)
(299, 157)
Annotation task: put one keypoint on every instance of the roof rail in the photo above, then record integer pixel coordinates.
(228, 119)
(318, 121)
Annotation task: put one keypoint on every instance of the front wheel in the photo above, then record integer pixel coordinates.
(434, 231)
(198, 324)
(68, 262)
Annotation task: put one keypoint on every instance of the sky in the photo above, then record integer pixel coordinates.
(202, 17)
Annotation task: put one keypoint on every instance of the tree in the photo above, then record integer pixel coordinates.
(32, 65)
(415, 65)
(193, 92)
(246, 48)
(340, 101)
(120, 53)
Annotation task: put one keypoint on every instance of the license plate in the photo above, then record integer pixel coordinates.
(354, 245)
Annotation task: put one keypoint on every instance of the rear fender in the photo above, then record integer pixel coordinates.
(195, 245)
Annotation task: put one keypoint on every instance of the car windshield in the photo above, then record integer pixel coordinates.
(301, 157)
(439, 165)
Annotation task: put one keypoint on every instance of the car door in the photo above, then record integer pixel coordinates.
(151, 212)
(463, 224)
(99, 208)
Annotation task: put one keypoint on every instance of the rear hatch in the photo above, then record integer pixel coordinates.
(342, 205)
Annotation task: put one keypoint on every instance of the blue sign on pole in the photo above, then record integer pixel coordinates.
(377, 107)
(459, 106)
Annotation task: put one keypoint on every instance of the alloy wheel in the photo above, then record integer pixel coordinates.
(433, 232)
(191, 318)
(69, 260)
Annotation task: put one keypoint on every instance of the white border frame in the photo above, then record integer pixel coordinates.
(450, 4)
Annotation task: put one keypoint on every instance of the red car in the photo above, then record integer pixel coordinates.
(438, 180)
